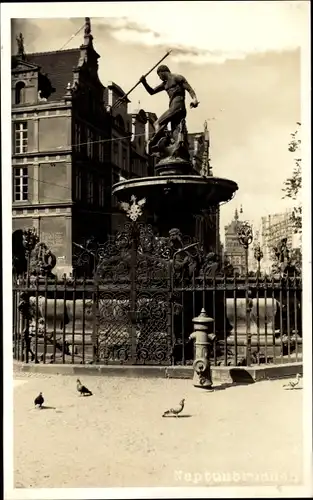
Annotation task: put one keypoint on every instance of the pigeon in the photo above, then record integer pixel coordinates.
(292, 384)
(39, 400)
(82, 389)
(175, 411)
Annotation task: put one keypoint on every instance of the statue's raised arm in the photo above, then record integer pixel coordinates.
(175, 87)
(149, 89)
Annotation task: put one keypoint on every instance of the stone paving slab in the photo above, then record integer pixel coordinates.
(235, 435)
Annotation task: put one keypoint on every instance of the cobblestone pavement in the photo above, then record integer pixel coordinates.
(238, 435)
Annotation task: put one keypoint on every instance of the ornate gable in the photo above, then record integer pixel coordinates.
(22, 66)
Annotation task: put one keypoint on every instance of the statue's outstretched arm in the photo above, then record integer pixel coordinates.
(149, 89)
(191, 92)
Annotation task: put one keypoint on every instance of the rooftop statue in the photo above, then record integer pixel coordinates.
(20, 46)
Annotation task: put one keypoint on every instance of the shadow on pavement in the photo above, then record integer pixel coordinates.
(222, 387)
(293, 388)
(228, 385)
(178, 416)
(240, 376)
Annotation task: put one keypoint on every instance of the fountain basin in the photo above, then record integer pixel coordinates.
(191, 193)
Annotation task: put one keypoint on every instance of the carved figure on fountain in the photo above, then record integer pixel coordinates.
(42, 261)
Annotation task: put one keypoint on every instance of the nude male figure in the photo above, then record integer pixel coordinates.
(176, 87)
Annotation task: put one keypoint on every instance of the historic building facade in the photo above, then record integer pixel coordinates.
(70, 144)
(275, 227)
(233, 250)
(207, 225)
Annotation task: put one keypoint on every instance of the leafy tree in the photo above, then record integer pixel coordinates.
(293, 185)
(19, 262)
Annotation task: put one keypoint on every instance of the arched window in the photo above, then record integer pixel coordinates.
(120, 122)
(20, 93)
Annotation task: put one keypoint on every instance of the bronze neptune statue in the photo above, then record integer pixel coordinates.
(162, 143)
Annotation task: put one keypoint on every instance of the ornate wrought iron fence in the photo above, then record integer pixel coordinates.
(145, 291)
(139, 306)
(140, 320)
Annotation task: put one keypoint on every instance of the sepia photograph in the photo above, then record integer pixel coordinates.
(156, 249)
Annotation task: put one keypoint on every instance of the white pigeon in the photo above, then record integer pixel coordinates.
(293, 383)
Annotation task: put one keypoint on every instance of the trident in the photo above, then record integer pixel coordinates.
(119, 101)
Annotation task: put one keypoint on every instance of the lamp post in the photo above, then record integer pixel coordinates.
(258, 255)
(245, 238)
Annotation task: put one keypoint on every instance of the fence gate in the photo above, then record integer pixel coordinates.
(133, 299)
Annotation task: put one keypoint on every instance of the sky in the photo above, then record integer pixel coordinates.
(243, 60)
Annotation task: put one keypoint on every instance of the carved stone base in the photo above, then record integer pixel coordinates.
(173, 166)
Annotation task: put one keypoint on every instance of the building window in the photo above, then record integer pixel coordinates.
(124, 159)
(101, 149)
(20, 184)
(120, 122)
(78, 185)
(101, 192)
(20, 92)
(77, 133)
(115, 180)
(115, 153)
(83, 139)
(88, 142)
(20, 137)
(89, 188)
(96, 146)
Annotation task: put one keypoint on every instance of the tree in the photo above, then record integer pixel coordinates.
(293, 185)
(19, 261)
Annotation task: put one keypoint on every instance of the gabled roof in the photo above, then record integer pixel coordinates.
(58, 66)
(119, 91)
(20, 65)
(140, 114)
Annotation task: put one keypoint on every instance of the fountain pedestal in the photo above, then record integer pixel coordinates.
(175, 200)
(178, 198)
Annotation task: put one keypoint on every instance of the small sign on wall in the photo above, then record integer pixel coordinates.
(53, 239)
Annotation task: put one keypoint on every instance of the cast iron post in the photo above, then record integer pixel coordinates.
(245, 238)
(201, 336)
(258, 255)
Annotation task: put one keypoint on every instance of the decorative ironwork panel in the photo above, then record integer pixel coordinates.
(155, 341)
(133, 299)
(114, 336)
